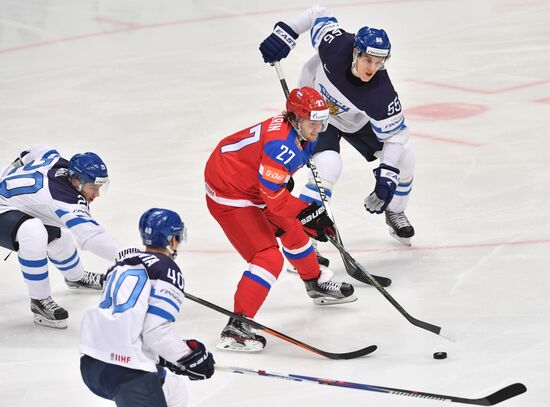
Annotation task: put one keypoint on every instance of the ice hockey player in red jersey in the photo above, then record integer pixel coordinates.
(246, 192)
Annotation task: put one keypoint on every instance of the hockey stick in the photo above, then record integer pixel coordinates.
(257, 325)
(499, 396)
(416, 322)
(351, 269)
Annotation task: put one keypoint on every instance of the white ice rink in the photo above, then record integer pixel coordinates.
(152, 85)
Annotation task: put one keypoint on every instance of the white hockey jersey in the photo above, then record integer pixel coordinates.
(352, 103)
(37, 184)
(132, 325)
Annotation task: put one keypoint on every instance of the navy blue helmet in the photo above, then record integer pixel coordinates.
(88, 167)
(157, 226)
(373, 41)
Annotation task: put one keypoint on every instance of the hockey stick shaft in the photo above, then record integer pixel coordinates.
(350, 268)
(492, 399)
(416, 322)
(257, 325)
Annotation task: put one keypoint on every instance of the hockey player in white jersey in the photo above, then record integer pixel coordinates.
(42, 198)
(127, 339)
(349, 71)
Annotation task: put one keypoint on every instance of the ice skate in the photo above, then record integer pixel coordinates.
(322, 260)
(400, 227)
(326, 291)
(90, 280)
(238, 336)
(48, 313)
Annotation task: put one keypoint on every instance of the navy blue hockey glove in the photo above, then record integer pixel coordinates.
(387, 179)
(279, 43)
(316, 222)
(198, 365)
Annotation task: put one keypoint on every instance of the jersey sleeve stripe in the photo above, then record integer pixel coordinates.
(320, 24)
(168, 300)
(382, 135)
(78, 220)
(60, 213)
(161, 313)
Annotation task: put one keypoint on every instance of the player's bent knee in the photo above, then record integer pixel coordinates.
(32, 234)
(270, 259)
(329, 166)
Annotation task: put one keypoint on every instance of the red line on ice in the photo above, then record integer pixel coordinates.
(404, 249)
(134, 26)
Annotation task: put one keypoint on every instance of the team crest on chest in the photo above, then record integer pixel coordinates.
(335, 106)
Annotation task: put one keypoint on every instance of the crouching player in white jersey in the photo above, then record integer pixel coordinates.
(349, 71)
(131, 332)
(42, 198)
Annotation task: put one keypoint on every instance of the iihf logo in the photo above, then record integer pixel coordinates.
(115, 357)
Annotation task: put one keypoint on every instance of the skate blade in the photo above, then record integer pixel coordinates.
(404, 240)
(333, 301)
(73, 285)
(231, 344)
(60, 324)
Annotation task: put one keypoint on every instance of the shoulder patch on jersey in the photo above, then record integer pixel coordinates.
(272, 174)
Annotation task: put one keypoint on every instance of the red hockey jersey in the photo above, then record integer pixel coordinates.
(253, 166)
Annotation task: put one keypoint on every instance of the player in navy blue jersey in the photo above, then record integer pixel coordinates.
(349, 71)
(128, 338)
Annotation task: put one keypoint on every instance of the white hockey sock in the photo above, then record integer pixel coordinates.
(64, 255)
(32, 237)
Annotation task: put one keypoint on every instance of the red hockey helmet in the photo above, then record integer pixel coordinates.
(307, 103)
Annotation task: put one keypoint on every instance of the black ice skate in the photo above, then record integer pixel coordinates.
(90, 280)
(48, 313)
(322, 260)
(329, 291)
(400, 227)
(238, 336)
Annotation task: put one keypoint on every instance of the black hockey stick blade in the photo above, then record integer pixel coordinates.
(257, 325)
(416, 322)
(358, 273)
(504, 394)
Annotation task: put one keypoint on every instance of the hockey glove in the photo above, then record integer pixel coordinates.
(290, 184)
(279, 43)
(316, 222)
(198, 365)
(387, 179)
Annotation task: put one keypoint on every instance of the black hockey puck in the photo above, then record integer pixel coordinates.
(440, 355)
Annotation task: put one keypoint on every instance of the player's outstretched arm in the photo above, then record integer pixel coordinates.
(283, 38)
